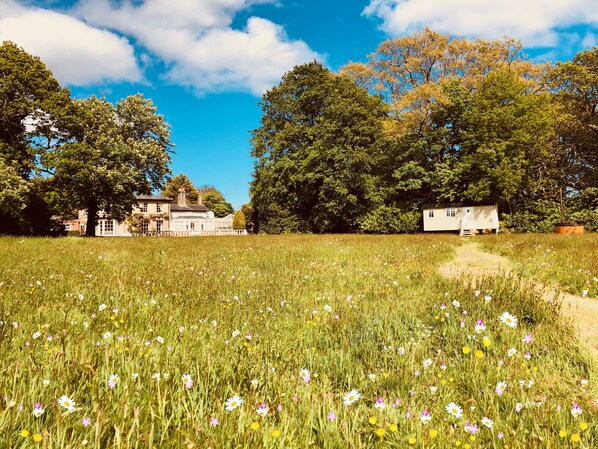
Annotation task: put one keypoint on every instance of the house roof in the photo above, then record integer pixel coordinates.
(460, 204)
(188, 208)
(153, 198)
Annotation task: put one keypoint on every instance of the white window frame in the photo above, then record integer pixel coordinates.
(159, 225)
(431, 213)
(143, 207)
(108, 227)
(451, 212)
(158, 208)
(144, 227)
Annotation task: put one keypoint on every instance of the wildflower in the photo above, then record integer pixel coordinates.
(38, 410)
(254, 382)
(86, 422)
(575, 437)
(304, 375)
(236, 333)
(36, 335)
(471, 428)
(187, 381)
(518, 407)
(527, 338)
(46, 382)
(501, 386)
(331, 416)
(327, 308)
(428, 362)
(37, 438)
(276, 433)
(412, 440)
(233, 403)
(479, 354)
(380, 432)
(508, 319)
(373, 420)
(480, 327)
(135, 376)
(112, 380)
(511, 352)
(487, 422)
(562, 433)
(433, 433)
(107, 335)
(214, 422)
(255, 425)
(486, 341)
(380, 405)
(456, 303)
(67, 403)
(159, 339)
(500, 435)
(262, 410)
(583, 425)
(454, 410)
(576, 410)
(351, 397)
(372, 377)
(24, 433)
(393, 427)
(466, 349)
(102, 307)
(425, 417)
(487, 299)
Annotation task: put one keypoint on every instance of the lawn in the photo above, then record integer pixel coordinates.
(279, 342)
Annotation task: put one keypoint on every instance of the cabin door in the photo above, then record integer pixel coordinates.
(467, 222)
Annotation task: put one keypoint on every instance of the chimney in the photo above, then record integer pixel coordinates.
(182, 197)
(199, 197)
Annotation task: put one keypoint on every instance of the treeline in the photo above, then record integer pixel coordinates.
(428, 119)
(59, 154)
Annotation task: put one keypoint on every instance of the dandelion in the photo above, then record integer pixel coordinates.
(214, 422)
(24, 433)
(508, 319)
(187, 381)
(233, 403)
(412, 440)
(380, 432)
(67, 403)
(583, 426)
(466, 349)
(351, 397)
(575, 438)
(479, 353)
(393, 427)
(86, 422)
(562, 433)
(37, 437)
(373, 420)
(255, 425)
(487, 422)
(112, 380)
(454, 410)
(486, 341)
(276, 433)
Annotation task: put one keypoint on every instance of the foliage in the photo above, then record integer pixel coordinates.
(123, 150)
(315, 151)
(239, 221)
(172, 187)
(215, 201)
(388, 220)
(367, 313)
(248, 211)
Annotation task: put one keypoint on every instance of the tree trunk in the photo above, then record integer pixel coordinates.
(92, 215)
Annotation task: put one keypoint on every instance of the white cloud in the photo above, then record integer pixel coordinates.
(77, 53)
(536, 22)
(197, 42)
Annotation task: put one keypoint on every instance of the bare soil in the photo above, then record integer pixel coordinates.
(582, 313)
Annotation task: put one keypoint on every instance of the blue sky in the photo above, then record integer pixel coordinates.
(205, 63)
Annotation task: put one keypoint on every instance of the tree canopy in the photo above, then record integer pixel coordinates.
(181, 181)
(215, 201)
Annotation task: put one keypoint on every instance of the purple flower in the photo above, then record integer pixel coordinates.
(500, 435)
(331, 416)
(279, 407)
(295, 398)
(527, 338)
(214, 422)
(86, 421)
(462, 324)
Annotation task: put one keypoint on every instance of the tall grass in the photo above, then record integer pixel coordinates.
(243, 316)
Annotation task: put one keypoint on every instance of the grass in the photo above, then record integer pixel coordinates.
(245, 316)
(570, 261)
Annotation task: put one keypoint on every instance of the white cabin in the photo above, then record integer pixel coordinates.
(465, 218)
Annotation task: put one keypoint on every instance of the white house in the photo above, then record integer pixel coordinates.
(465, 218)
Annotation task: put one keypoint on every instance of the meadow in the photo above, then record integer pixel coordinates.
(280, 342)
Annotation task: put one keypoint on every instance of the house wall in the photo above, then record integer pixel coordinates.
(192, 221)
(442, 222)
(485, 217)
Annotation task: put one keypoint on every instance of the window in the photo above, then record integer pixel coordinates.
(67, 227)
(158, 208)
(108, 227)
(144, 207)
(451, 212)
(431, 213)
(192, 226)
(159, 225)
(145, 227)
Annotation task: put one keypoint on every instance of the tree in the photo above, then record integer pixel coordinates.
(181, 182)
(239, 221)
(122, 151)
(247, 210)
(215, 201)
(315, 149)
(34, 111)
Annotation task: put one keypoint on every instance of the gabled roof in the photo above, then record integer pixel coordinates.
(153, 198)
(188, 208)
(461, 204)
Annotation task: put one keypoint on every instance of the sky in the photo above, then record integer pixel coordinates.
(206, 63)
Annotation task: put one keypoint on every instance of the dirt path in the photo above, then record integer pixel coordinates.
(581, 312)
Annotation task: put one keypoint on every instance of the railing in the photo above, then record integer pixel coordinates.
(216, 232)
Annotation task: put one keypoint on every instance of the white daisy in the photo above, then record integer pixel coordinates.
(508, 319)
(233, 403)
(36, 335)
(428, 362)
(511, 352)
(67, 403)
(487, 422)
(454, 410)
(351, 397)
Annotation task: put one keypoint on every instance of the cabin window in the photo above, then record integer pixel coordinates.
(431, 213)
(451, 212)
(145, 227)
(109, 227)
(144, 207)
(158, 208)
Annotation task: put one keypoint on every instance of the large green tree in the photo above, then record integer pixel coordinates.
(215, 201)
(316, 150)
(34, 115)
(121, 151)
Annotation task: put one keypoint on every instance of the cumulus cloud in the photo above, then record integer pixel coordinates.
(197, 42)
(537, 22)
(77, 53)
